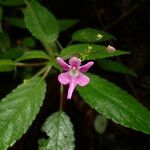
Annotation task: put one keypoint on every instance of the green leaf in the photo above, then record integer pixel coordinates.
(41, 23)
(19, 109)
(11, 2)
(115, 67)
(4, 40)
(115, 104)
(100, 124)
(35, 54)
(97, 52)
(18, 22)
(6, 65)
(28, 42)
(11, 53)
(65, 24)
(91, 35)
(55, 64)
(59, 129)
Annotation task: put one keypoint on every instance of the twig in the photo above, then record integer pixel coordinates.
(30, 64)
(48, 49)
(70, 43)
(41, 71)
(47, 72)
(59, 45)
(124, 15)
(61, 97)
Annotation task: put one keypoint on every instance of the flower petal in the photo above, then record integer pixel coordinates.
(72, 86)
(86, 67)
(64, 78)
(82, 79)
(75, 62)
(63, 64)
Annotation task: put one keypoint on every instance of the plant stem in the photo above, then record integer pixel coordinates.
(27, 2)
(48, 49)
(61, 97)
(59, 45)
(70, 43)
(30, 64)
(47, 72)
(122, 16)
(41, 71)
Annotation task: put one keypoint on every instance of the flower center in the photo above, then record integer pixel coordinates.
(74, 72)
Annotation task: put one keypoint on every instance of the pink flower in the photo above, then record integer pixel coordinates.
(110, 49)
(74, 75)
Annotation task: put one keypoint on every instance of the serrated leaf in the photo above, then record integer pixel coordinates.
(115, 104)
(18, 22)
(115, 67)
(97, 52)
(12, 2)
(91, 35)
(65, 24)
(60, 132)
(18, 110)
(6, 65)
(41, 22)
(34, 54)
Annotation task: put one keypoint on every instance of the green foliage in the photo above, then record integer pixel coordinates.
(18, 22)
(28, 42)
(55, 65)
(27, 73)
(115, 104)
(97, 51)
(6, 65)
(11, 2)
(115, 67)
(100, 124)
(41, 23)
(91, 35)
(34, 54)
(12, 53)
(4, 40)
(18, 110)
(65, 24)
(60, 132)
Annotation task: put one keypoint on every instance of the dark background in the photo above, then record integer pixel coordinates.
(129, 21)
